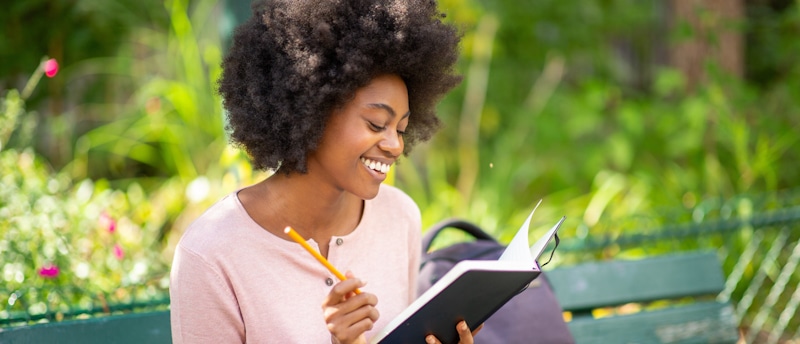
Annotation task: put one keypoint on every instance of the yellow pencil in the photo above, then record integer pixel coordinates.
(296, 237)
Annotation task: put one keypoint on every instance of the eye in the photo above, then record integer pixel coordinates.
(376, 127)
(404, 125)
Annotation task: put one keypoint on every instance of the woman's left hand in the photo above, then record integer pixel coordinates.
(465, 336)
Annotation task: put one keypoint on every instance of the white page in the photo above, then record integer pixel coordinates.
(518, 249)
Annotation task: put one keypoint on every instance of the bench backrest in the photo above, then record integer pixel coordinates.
(135, 328)
(612, 283)
(583, 288)
(579, 289)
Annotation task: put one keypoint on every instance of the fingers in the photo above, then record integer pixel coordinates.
(343, 290)
(352, 333)
(349, 315)
(431, 339)
(465, 336)
(352, 311)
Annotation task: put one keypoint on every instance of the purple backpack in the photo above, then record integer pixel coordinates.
(533, 316)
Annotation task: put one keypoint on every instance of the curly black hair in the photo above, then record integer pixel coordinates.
(294, 61)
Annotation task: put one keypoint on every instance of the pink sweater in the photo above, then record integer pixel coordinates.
(234, 282)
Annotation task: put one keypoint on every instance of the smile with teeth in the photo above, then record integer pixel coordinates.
(375, 165)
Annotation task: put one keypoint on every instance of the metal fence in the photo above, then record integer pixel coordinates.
(758, 243)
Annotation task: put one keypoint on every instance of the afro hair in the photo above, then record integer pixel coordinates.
(294, 61)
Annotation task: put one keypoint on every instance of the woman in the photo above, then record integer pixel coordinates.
(328, 95)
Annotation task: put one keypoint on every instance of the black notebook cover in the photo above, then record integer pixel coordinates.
(473, 296)
(472, 290)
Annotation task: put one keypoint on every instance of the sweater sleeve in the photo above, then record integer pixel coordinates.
(203, 307)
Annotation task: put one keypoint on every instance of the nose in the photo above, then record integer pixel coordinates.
(392, 143)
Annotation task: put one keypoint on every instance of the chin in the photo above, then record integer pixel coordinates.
(369, 194)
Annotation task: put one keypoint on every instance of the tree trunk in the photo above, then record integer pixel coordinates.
(715, 38)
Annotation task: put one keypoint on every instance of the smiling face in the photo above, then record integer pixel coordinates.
(363, 138)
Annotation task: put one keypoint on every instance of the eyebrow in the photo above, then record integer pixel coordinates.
(388, 109)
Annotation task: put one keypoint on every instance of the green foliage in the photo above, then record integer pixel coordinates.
(772, 45)
(571, 106)
(563, 116)
(73, 32)
(172, 125)
(68, 30)
(68, 246)
(95, 234)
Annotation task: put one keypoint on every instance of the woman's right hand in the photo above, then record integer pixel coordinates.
(347, 314)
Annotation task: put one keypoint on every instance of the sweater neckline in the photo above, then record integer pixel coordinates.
(366, 214)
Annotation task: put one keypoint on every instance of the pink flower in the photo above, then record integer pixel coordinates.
(108, 222)
(118, 252)
(49, 271)
(50, 68)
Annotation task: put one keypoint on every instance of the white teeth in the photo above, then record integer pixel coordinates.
(376, 165)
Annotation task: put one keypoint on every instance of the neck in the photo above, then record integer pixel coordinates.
(315, 210)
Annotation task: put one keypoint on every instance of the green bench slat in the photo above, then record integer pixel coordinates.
(708, 322)
(135, 328)
(617, 282)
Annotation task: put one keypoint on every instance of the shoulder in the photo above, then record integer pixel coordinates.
(394, 209)
(216, 229)
(395, 200)
(391, 194)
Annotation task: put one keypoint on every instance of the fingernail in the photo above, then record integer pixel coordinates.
(430, 340)
(463, 326)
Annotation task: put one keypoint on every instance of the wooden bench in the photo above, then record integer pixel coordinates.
(133, 328)
(687, 282)
(681, 287)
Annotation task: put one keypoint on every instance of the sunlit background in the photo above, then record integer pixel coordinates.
(656, 127)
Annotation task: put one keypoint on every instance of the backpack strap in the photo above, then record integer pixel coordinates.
(465, 226)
